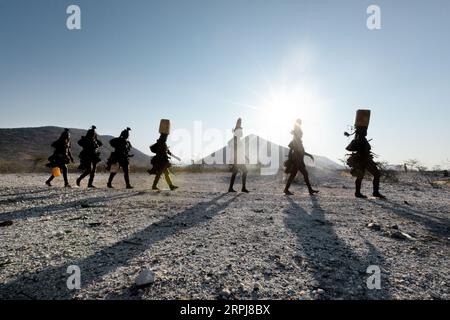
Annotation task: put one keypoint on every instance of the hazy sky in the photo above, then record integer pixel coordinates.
(267, 61)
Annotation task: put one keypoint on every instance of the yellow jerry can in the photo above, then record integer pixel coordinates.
(56, 172)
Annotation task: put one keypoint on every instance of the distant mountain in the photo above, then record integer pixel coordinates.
(27, 149)
(258, 151)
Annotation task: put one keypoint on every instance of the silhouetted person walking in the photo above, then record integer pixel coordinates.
(237, 148)
(161, 160)
(361, 158)
(295, 161)
(89, 156)
(61, 157)
(120, 158)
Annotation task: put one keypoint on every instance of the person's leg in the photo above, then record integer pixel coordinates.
(49, 180)
(126, 175)
(168, 180)
(92, 176)
(66, 180)
(155, 182)
(289, 182)
(83, 175)
(244, 179)
(233, 178)
(110, 180)
(358, 183)
(306, 178)
(373, 170)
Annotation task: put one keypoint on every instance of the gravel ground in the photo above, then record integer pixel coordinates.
(202, 243)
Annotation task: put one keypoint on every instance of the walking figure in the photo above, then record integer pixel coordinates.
(161, 161)
(237, 148)
(89, 156)
(120, 158)
(295, 161)
(60, 158)
(361, 158)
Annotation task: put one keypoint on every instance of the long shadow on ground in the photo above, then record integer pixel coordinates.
(50, 283)
(336, 268)
(30, 197)
(36, 212)
(440, 227)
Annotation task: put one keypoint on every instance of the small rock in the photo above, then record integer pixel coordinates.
(374, 226)
(94, 224)
(401, 235)
(242, 287)
(6, 223)
(256, 286)
(320, 291)
(225, 293)
(144, 278)
(59, 234)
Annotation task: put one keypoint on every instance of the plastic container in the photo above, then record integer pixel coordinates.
(56, 171)
(362, 118)
(164, 126)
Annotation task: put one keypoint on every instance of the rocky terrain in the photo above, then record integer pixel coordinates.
(201, 243)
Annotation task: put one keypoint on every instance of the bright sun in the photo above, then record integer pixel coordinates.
(282, 107)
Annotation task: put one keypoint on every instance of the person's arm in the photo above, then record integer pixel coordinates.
(353, 146)
(172, 155)
(309, 155)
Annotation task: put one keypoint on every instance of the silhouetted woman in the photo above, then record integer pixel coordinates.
(237, 148)
(362, 160)
(89, 156)
(161, 162)
(296, 160)
(120, 158)
(61, 157)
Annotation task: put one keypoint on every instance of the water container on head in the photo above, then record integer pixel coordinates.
(164, 126)
(362, 118)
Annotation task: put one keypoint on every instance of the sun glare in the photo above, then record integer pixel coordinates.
(283, 106)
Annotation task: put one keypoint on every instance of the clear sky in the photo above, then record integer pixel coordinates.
(269, 62)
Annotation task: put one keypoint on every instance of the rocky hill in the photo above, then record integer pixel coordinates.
(258, 151)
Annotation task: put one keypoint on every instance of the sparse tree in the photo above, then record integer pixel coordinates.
(413, 164)
(436, 168)
(387, 174)
(422, 168)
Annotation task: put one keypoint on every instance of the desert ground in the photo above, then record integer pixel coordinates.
(202, 243)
